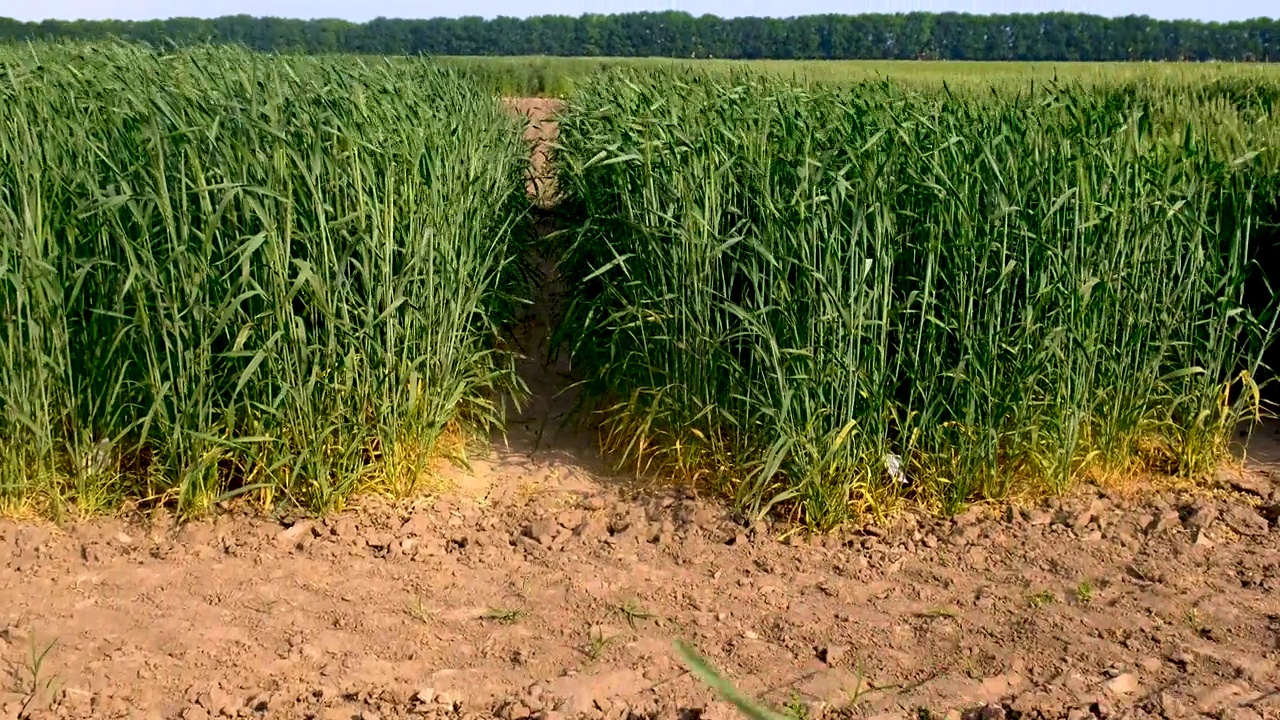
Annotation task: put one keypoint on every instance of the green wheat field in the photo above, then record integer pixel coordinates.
(819, 288)
(556, 76)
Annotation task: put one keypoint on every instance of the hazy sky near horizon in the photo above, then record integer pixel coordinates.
(363, 10)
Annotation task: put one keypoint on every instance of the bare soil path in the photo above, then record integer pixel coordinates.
(546, 586)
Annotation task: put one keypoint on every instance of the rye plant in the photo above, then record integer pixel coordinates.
(223, 272)
(824, 299)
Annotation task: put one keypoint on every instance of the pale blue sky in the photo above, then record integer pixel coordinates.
(361, 10)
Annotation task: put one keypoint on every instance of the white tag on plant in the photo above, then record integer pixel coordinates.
(894, 465)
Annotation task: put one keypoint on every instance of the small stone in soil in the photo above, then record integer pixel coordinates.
(1082, 519)
(516, 711)
(991, 712)
(1039, 518)
(833, 655)
(1168, 520)
(1201, 517)
(1123, 684)
(541, 531)
(1245, 521)
(570, 518)
(1271, 513)
(1248, 483)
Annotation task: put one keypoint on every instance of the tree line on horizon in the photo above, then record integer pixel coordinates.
(938, 36)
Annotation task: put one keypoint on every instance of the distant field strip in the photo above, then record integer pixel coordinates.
(541, 75)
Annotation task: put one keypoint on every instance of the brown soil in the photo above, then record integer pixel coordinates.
(541, 129)
(546, 586)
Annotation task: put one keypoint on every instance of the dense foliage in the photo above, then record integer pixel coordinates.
(827, 297)
(946, 36)
(224, 272)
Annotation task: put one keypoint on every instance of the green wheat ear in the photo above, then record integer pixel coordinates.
(707, 674)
